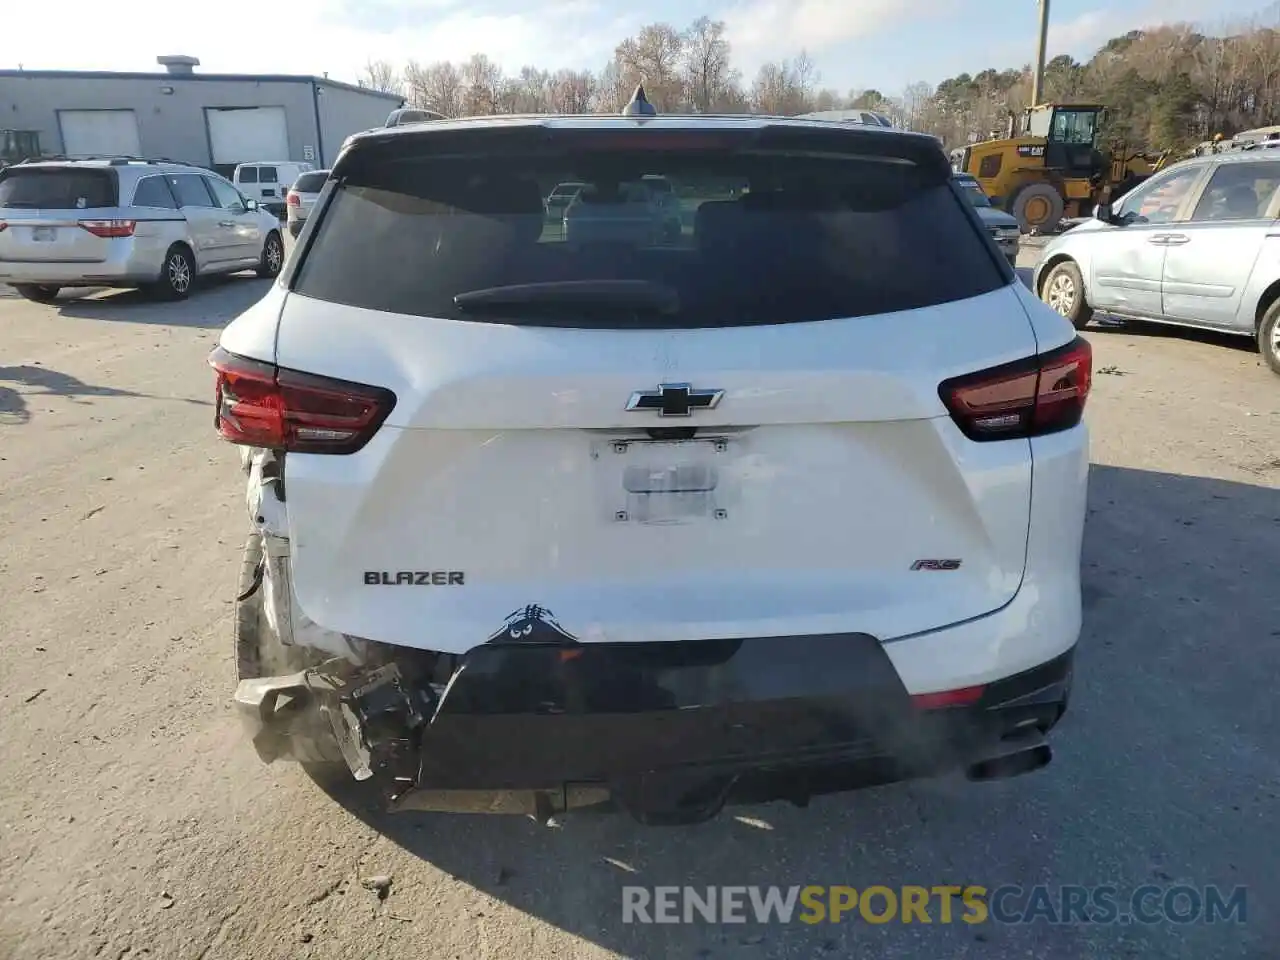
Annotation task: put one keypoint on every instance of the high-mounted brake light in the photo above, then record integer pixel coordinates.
(1042, 394)
(261, 405)
(109, 228)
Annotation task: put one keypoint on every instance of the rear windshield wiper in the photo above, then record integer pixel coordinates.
(635, 295)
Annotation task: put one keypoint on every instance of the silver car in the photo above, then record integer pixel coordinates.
(302, 197)
(127, 223)
(1002, 226)
(1196, 245)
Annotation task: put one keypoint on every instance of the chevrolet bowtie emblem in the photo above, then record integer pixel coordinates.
(674, 400)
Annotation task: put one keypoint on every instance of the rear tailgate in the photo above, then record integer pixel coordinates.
(824, 490)
(44, 212)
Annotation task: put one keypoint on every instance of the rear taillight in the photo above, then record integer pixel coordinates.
(1042, 394)
(3, 226)
(109, 228)
(262, 405)
(293, 199)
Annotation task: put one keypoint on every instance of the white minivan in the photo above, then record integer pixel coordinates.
(267, 181)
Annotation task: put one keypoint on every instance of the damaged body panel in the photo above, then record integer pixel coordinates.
(270, 517)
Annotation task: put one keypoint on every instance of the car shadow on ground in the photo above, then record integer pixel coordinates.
(214, 303)
(1164, 774)
(42, 381)
(1213, 338)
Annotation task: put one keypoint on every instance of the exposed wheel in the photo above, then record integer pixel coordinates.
(177, 275)
(37, 292)
(272, 257)
(1063, 290)
(1269, 337)
(259, 653)
(1037, 206)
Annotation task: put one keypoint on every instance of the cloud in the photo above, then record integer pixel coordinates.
(1085, 34)
(337, 37)
(762, 30)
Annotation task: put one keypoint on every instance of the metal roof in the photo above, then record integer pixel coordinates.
(172, 79)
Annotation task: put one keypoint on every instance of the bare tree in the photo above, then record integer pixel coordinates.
(483, 86)
(381, 75)
(1162, 86)
(706, 69)
(437, 86)
(571, 91)
(775, 90)
(806, 76)
(653, 57)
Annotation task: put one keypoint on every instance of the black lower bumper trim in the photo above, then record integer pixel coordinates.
(675, 731)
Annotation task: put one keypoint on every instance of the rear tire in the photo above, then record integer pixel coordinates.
(38, 293)
(177, 275)
(1037, 206)
(259, 653)
(1269, 337)
(1063, 290)
(272, 259)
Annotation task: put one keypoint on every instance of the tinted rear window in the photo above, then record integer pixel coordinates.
(311, 182)
(247, 175)
(755, 237)
(57, 188)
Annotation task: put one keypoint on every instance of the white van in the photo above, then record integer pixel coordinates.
(267, 181)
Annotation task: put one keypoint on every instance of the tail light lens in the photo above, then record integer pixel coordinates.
(109, 228)
(293, 199)
(3, 226)
(262, 405)
(1042, 394)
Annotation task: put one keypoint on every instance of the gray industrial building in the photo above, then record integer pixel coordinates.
(211, 120)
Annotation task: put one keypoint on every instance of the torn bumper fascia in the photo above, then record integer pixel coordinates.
(672, 732)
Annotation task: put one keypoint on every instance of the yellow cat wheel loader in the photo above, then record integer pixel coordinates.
(1052, 167)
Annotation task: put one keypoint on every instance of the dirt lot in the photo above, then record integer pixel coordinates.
(134, 821)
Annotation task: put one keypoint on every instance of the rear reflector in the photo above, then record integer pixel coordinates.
(1042, 394)
(261, 405)
(109, 228)
(961, 697)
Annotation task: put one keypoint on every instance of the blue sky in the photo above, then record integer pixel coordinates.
(884, 44)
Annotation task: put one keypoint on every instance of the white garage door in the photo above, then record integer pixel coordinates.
(241, 135)
(99, 133)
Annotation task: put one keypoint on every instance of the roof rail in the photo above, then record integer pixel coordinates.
(115, 160)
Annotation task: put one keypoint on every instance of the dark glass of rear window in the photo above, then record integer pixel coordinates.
(762, 238)
(153, 192)
(248, 174)
(311, 182)
(58, 188)
(266, 174)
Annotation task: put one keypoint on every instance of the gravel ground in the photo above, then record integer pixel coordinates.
(135, 821)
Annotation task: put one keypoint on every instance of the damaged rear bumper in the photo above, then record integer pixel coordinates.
(670, 732)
